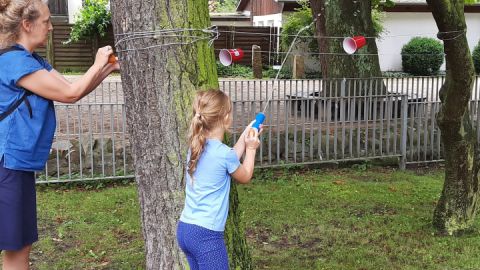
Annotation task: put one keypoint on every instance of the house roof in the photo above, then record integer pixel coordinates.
(231, 16)
(242, 4)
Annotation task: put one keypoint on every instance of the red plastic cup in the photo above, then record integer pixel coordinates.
(228, 56)
(352, 44)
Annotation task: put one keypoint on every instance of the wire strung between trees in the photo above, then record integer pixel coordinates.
(355, 54)
(211, 34)
(340, 37)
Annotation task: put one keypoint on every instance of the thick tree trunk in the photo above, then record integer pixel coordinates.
(346, 18)
(158, 85)
(457, 207)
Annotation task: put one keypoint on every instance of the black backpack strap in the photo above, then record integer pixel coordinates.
(9, 49)
(16, 104)
(23, 98)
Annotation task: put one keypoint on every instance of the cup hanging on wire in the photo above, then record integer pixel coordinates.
(352, 44)
(229, 56)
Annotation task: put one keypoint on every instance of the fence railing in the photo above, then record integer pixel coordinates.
(307, 121)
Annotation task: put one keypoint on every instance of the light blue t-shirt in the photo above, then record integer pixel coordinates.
(206, 202)
(24, 142)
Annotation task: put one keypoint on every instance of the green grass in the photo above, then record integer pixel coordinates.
(88, 229)
(317, 219)
(348, 219)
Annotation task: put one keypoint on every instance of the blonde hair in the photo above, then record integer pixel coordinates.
(209, 111)
(12, 13)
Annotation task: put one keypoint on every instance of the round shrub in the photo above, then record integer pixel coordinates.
(476, 58)
(422, 56)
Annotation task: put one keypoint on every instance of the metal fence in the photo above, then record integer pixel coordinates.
(307, 122)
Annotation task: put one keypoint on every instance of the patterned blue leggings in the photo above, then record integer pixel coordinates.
(205, 249)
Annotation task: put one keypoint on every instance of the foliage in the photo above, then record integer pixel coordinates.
(476, 57)
(227, 6)
(293, 23)
(234, 70)
(92, 19)
(422, 56)
(272, 73)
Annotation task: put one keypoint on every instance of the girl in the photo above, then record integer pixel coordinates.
(210, 163)
(28, 87)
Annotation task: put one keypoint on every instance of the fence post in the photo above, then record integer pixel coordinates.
(50, 53)
(257, 64)
(403, 137)
(298, 67)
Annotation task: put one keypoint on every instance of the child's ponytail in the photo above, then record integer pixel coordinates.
(197, 141)
(209, 110)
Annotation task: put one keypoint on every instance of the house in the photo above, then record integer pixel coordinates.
(267, 12)
(402, 22)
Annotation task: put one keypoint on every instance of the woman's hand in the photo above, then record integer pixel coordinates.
(110, 67)
(103, 53)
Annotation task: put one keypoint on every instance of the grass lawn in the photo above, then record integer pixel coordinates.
(311, 219)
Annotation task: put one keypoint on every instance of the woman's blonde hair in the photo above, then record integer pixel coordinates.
(209, 111)
(12, 13)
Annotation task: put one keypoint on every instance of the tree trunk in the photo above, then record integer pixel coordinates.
(159, 84)
(345, 18)
(318, 11)
(457, 207)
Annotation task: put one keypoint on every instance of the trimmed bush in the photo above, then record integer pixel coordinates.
(476, 58)
(234, 70)
(422, 56)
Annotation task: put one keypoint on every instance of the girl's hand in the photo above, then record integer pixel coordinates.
(251, 139)
(247, 128)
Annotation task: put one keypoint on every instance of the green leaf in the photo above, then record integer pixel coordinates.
(93, 18)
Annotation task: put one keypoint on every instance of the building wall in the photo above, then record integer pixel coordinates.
(220, 22)
(265, 7)
(274, 20)
(401, 27)
(73, 7)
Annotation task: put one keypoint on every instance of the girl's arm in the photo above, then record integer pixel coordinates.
(50, 86)
(239, 147)
(244, 172)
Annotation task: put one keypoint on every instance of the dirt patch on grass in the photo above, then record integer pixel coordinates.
(47, 229)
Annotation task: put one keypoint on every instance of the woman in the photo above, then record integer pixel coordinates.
(28, 87)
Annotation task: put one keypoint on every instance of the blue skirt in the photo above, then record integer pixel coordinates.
(18, 209)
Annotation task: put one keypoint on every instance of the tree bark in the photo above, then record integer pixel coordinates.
(345, 18)
(318, 11)
(159, 84)
(458, 203)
